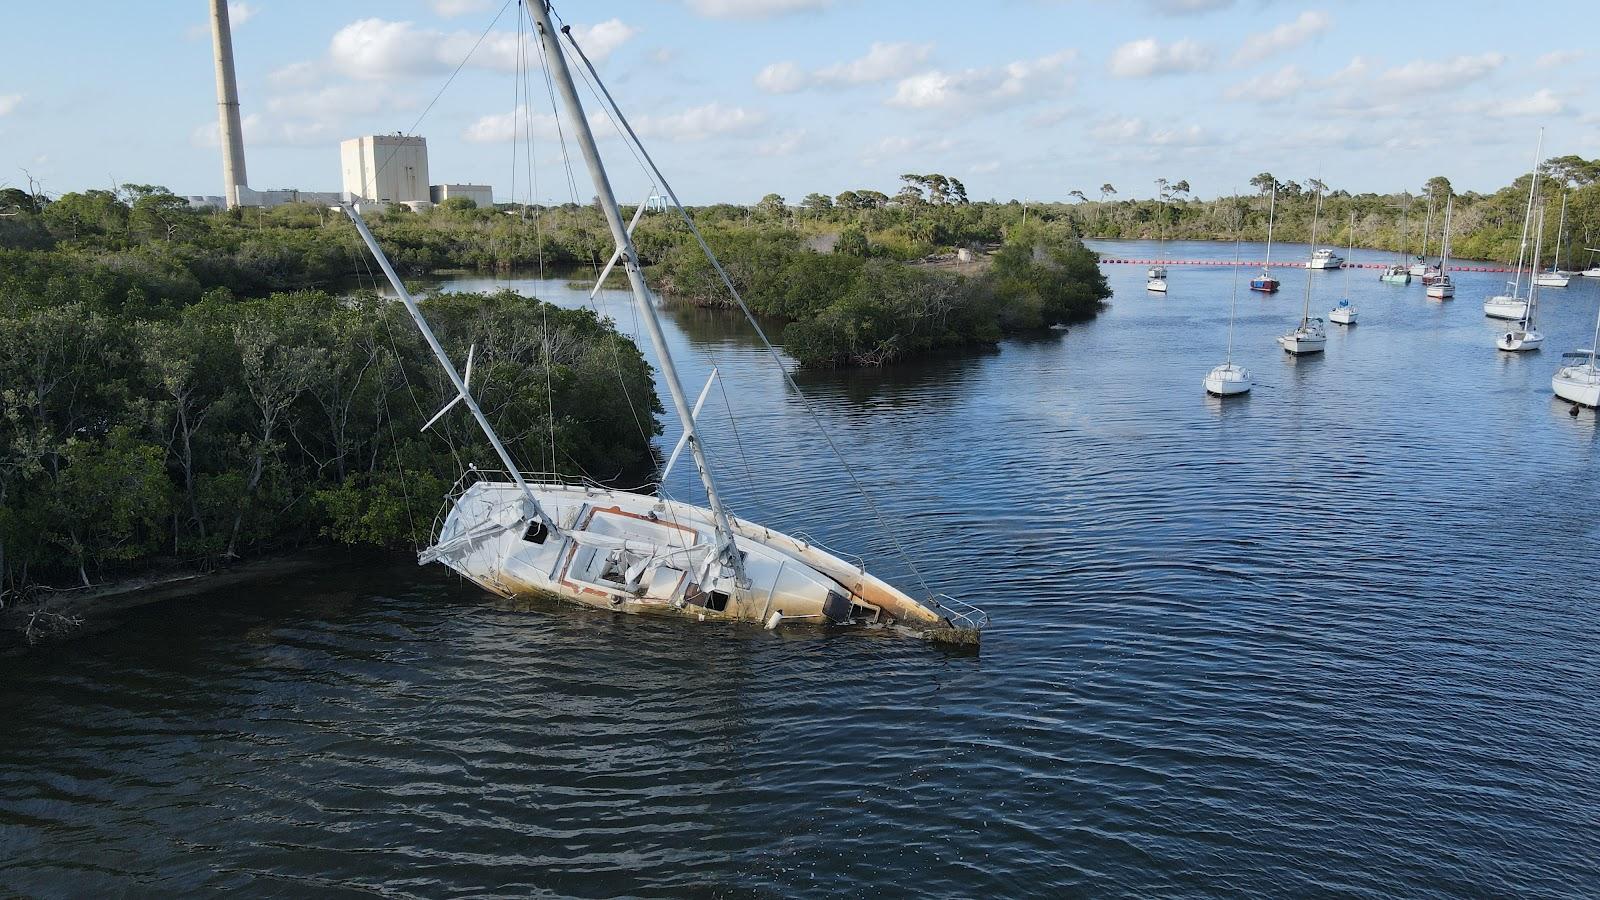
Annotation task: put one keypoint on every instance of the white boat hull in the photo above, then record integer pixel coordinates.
(1505, 308)
(1159, 285)
(1325, 264)
(1552, 280)
(1342, 315)
(1441, 291)
(1228, 380)
(634, 553)
(1591, 273)
(1418, 270)
(1517, 341)
(1578, 384)
(1301, 341)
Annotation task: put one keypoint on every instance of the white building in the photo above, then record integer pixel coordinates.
(481, 194)
(387, 168)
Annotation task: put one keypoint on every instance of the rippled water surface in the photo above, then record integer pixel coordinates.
(1337, 637)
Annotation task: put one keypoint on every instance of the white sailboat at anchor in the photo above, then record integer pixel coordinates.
(1310, 336)
(1513, 305)
(520, 535)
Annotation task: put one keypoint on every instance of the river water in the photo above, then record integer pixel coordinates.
(1336, 637)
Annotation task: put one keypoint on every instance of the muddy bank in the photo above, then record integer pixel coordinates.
(63, 615)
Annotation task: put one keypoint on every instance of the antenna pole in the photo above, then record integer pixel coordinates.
(557, 63)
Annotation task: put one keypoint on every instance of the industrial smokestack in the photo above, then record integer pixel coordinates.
(233, 176)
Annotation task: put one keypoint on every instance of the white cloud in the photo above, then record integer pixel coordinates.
(259, 131)
(1426, 76)
(882, 62)
(755, 9)
(452, 8)
(897, 147)
(9, 103)
(1188, 7)
(295, 74)
(339, 101)
(1543, 102)
(1269, 87)
(240, 13)
(972, 88)
(1148, 57)
(601, 40)
(1132, 130)
(500, 128)
(781, 78)
(699, 123)
(1555, 59)
(783, 145)
(379, 48)
(1287, 36)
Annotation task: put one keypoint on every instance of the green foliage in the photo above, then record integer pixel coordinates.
(229, 426)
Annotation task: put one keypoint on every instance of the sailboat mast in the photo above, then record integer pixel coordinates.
(1561, 227)
(1533, 283)
(630, 258)
(1352, 252)
(449, 367)
(1444, 242)
(1272, 211)
(1527, 217)
(1316, 213)
(1427, 226)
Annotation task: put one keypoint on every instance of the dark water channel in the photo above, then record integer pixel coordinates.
(1338, 637)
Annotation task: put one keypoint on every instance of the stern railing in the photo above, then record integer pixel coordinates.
(960, 613)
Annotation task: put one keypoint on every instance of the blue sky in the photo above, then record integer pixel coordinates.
(1018, 98)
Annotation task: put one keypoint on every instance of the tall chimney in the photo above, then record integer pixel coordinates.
(233, 176)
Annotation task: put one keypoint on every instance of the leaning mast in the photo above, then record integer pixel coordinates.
(557, 65)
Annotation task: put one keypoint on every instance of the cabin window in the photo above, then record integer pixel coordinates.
(536, 532)
(717, 601)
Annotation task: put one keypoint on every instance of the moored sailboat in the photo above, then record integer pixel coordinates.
(1419, 267)
(517, 535)
(1524, 336)
(1309, 336)
(1265, 282)
(1555, 278)
(1344, 312)
(1578, 379)
(1514, 305)
(1228, 379)
(1440, 287)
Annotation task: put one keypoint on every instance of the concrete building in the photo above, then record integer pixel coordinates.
(386, 168)
(481, 194)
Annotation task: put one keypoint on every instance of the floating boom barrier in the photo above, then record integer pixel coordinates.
(1277, 265)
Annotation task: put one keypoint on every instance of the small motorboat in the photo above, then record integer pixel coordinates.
(1325, 259)
(1396, 274)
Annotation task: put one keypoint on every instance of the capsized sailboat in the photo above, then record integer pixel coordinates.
(521, 535)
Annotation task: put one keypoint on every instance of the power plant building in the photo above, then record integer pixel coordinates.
(385, 168)
(480, 194)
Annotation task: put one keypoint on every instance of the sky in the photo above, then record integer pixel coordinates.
(1024, 99)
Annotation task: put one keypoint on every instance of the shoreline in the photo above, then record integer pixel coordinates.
(79, 612)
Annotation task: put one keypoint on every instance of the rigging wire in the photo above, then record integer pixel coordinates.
(749, 316)
(727, 405)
